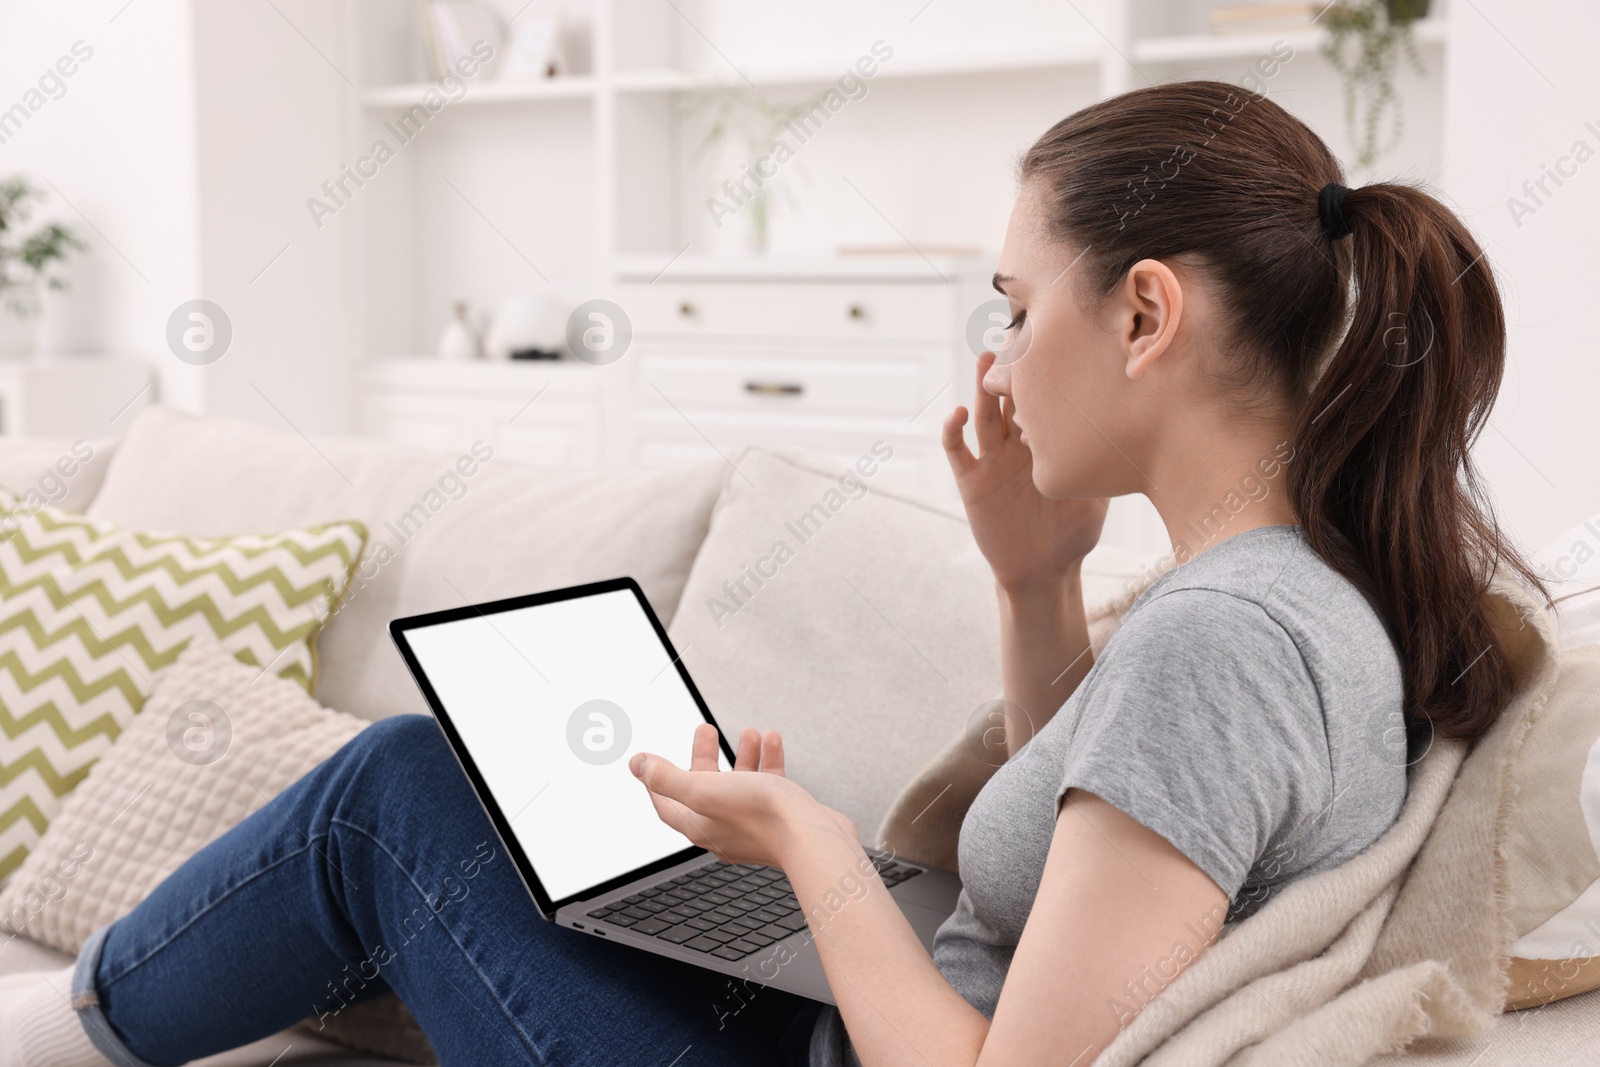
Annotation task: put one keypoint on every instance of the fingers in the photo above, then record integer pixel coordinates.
(660, 775)
(955, 442)
(749, 750)
(675, 794)
(986, 409)
(772, 753)
(706, 749)
(1008, 415)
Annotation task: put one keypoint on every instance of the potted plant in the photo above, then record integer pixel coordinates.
(1379, 30)
(756, 126)
(29, 264)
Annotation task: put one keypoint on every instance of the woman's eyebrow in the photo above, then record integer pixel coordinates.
(1000, 281)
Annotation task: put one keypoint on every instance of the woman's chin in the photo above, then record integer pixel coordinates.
(1064, 482)
(1051, 486)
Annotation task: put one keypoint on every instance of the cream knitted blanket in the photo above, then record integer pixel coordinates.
(1402, 942)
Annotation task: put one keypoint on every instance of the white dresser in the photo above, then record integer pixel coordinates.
(831, 356)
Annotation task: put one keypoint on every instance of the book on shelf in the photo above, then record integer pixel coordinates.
(1266, 17)
(458, 29)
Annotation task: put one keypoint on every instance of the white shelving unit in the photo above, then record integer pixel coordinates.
(589, 182)
(1197, 48)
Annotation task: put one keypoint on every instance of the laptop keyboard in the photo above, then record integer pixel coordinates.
(724, 910)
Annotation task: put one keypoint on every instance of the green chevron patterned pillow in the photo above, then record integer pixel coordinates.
(89, 612)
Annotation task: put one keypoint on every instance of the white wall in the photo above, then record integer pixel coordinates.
(183, 150)
(272, 112)
(1522, 84)
(119, 145)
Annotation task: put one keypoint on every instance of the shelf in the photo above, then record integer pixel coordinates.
(670, 80)
(409, 372)
(909, 267)
(651, 416)
(571, 87)
(1203, 46)
(1177, 49)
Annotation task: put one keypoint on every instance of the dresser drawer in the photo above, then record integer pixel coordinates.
(783, 384)
(887, 312)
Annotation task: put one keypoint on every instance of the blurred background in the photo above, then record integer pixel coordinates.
(624, 231)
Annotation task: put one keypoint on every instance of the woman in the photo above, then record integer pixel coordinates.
(1177, 265)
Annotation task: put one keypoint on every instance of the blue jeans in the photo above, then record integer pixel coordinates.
(379, 872)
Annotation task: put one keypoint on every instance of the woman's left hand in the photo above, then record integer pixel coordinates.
(752, 815)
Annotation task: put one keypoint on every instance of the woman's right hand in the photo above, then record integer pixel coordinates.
(1030, 541)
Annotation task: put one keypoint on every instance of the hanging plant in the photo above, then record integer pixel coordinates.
(1379, 30)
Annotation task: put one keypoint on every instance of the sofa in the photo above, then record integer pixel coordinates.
(870, 641)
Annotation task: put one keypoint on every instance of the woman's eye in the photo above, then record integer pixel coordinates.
(1017, 321)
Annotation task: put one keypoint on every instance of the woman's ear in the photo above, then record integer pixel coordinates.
(1152, 306)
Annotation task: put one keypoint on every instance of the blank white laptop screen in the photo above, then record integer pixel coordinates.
(551, 701)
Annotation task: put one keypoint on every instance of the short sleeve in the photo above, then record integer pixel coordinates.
(1202, 722)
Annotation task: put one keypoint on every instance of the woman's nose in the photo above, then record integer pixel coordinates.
(997, 379)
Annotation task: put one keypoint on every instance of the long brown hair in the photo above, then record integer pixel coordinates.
(1382, 479)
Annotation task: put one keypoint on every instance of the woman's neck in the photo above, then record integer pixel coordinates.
(1214, 488)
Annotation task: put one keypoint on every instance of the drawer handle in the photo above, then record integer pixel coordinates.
(686, 310)
(856, 311)
(774, 388)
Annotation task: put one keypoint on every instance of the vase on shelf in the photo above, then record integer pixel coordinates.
(19, 333)
(459, 342)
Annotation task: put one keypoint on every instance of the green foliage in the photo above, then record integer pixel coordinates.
(1379, 30)
(29, 260)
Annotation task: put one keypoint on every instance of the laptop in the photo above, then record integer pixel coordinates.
(543, 699)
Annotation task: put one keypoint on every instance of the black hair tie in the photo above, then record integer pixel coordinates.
(1330, 209)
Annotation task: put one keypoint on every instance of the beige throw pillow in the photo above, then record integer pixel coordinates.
(215, 741)
(859, 622)
(209, 748)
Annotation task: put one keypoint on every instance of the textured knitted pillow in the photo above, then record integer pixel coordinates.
(89, 611)
(211, 746)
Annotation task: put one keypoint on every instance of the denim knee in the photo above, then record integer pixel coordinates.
(400, 740)
(400, 752)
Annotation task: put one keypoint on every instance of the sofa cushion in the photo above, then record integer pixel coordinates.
(60, 472)
(446, 528)
(89, 610)
(857, 620)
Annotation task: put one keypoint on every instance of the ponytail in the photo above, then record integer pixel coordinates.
(1383, 482)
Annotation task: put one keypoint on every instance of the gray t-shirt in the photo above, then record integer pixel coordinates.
(1247, 709)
